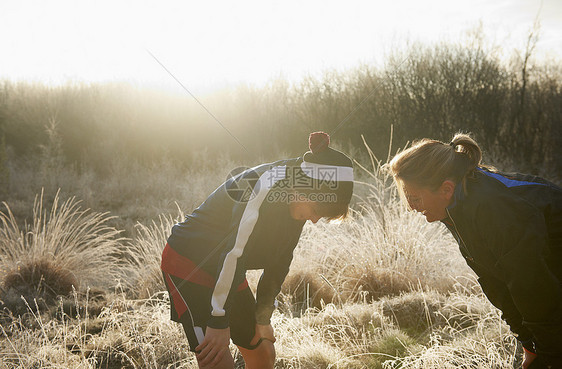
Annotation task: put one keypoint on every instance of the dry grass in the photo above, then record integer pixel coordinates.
(383, 289)
(126, 334)
(62, 249)
(146, 254)
(138, 334)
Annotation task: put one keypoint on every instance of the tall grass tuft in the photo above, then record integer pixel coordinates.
(64, 247)
(145, 253)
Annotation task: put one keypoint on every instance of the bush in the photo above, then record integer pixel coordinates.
(66, 248)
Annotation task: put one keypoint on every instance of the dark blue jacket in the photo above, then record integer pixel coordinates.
(244, 224)
(509, 229)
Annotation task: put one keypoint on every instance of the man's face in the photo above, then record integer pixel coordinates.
(304, 210)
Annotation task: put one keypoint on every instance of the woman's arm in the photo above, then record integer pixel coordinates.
(499, 295)
(520, 240)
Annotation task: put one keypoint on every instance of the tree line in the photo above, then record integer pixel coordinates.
(513, 109)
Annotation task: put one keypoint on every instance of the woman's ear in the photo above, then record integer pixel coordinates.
(447, 189)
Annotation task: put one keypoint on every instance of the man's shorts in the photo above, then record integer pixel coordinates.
(190, 290)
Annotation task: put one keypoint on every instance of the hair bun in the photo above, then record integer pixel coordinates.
(318, 142)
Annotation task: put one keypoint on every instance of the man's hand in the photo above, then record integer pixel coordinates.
(263, 332)
(215, 345)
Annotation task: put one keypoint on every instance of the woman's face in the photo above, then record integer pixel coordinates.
(432, 204)
(304, 210)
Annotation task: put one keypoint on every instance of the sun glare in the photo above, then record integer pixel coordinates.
(211, 44)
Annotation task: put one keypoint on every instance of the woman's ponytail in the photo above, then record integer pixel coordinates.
(464, 144)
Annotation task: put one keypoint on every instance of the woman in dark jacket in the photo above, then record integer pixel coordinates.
(509, 230)
(252, 221)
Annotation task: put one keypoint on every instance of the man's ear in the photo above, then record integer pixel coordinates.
(447, 189)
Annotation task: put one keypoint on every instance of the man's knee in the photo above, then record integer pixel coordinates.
(268, 351)
(263, 356)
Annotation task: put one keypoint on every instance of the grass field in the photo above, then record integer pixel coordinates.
(383, 289)
(93, 176)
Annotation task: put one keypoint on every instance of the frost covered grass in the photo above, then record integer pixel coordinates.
(440, 332)
(382, 289)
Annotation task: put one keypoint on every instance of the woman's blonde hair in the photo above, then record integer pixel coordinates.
(428, 163)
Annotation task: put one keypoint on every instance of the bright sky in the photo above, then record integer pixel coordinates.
(209, 43)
